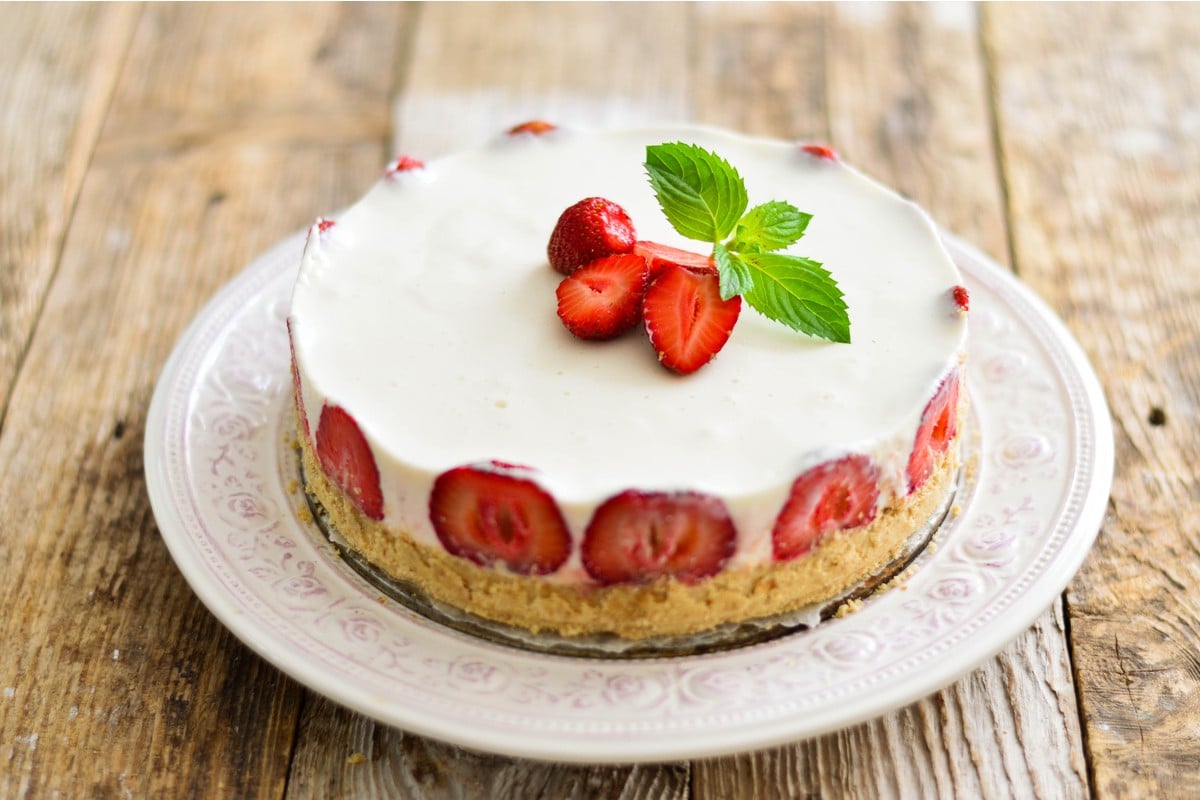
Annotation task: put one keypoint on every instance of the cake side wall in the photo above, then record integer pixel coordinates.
(665, 607)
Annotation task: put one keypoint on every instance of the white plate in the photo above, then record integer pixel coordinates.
(229, 509)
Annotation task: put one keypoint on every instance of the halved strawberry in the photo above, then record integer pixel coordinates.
(820, 151)
(636, 537)
(603, 299)
(829, 497)
(939, 426)
(492, 512)
(535, 126)
(346, 458)
(296, 391)
(404, 164)
(590, 229)
(686, 318)
(962, 299)
(661, 256)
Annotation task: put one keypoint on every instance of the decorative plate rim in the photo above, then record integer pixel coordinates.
(469, 692)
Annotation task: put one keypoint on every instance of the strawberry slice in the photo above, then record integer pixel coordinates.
(346, 458)
(296, 391)
(686, 318)
(592, 228)
(636, 537)
(939, 426)
(661, 256)
(829, 497)
(404, 164)
(962, 299)
(534, 126)
(603, 299)
(820, 151)
(492, 513)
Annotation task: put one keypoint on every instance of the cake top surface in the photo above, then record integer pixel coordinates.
(428, 312)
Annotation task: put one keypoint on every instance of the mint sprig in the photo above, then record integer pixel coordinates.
(704, 198)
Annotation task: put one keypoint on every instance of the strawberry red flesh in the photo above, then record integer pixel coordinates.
(832, 496)
(346, 458)
(638, 537)
(962, 299)
(592, 228)
(660, 256)
(603, 299)
(686, 319)
(534, 126)
(492, 514)
(404, 164)
(939, 426)
(820, 151)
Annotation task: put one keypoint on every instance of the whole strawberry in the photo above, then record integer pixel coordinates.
(592, 228)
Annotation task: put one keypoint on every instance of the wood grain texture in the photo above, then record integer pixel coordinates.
(1101, 152)
(123, 684)
(478, 69)
(909, 106)
(342, 754)
(58, 65)
(1003, 731)
(761, 68)
(904, 98)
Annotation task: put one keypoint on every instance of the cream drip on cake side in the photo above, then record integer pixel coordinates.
(427, 311)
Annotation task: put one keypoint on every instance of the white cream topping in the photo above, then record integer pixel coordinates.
(428, 313)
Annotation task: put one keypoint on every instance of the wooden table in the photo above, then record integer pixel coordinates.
(148, 153)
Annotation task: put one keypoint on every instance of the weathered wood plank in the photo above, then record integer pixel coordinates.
(342, 754)
(901, 94)
(760, 68)
(58, 65)
(475, 73)
(115, 680)
(1098, 123)
(908, 105)
(979, 738)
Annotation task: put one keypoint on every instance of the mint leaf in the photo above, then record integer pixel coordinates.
(769, 227)
(704, 198)
(732, 271)
(799, 293)
(701, 194)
